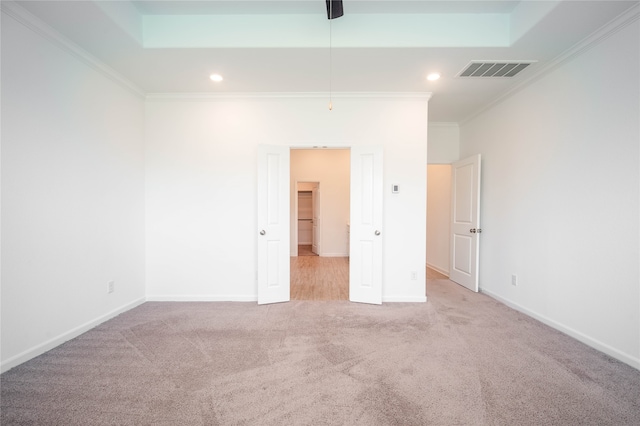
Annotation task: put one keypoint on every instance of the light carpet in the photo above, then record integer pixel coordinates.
(459, 359)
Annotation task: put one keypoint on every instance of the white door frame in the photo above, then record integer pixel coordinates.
(350, 148)
(316, 220)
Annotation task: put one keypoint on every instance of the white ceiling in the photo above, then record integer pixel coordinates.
(282, 46)
(314, 7)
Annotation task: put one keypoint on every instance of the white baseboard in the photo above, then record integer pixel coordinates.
(201, 298)
(334, 254)
(404, 299)
(238, 298)
(438, 269)
(56, 341)
(596, 344)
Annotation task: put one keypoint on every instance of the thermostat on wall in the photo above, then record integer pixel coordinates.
(395, 189)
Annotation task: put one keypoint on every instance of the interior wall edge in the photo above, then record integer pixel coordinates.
(21, 15)
(443, 271)
(66, 336)
(443, 124)
(589, 341)
(203, 298)
(208, 96)
(625, 19)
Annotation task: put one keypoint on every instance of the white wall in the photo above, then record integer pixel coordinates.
(444, 143)
(201, 187)
(438, 217)
(330, 167)
(560, 192)
(72, 189)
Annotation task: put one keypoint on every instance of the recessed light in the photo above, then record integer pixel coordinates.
(215, 77)
(433, 76)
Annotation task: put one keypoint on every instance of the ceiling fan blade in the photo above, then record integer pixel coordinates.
(334, 9)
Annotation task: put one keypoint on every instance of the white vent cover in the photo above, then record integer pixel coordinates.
(493, 68)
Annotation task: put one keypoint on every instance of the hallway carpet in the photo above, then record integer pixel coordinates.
(459, 359)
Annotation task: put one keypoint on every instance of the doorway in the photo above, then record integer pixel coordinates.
(363, 225)
(308, 218)
(453, 221)
(439, 217)
(320, 181)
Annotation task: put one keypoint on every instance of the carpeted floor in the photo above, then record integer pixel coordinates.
(459, 359)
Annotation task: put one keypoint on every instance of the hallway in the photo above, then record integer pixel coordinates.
(319, 278)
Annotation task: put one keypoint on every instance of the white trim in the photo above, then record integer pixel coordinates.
(596, 344)
(334, 255)
(254, 298)
(403, 299)
(626, 18)
(438, 269)
(21, 15)
(285, 95)
(201, 298)
(71, 334)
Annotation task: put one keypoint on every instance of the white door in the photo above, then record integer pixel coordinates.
(315, 222)
(365, 263)
(273, 224)
(465, 222)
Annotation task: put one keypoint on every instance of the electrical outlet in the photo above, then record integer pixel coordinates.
(111, 287)
(414, 275)
(514, 279)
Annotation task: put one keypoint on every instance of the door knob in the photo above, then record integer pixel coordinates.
(377, 232)
(263, 232)
(472, 230)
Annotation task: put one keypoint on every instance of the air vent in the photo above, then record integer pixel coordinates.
(494, 68)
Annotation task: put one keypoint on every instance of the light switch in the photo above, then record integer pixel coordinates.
(395, 189)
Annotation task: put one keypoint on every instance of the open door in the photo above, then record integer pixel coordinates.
(365, 263)
(315, 222)
(465, 222)
(273, 224)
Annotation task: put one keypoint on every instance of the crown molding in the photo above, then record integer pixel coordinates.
(623, 20)
(30, 21)
(286, 95)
